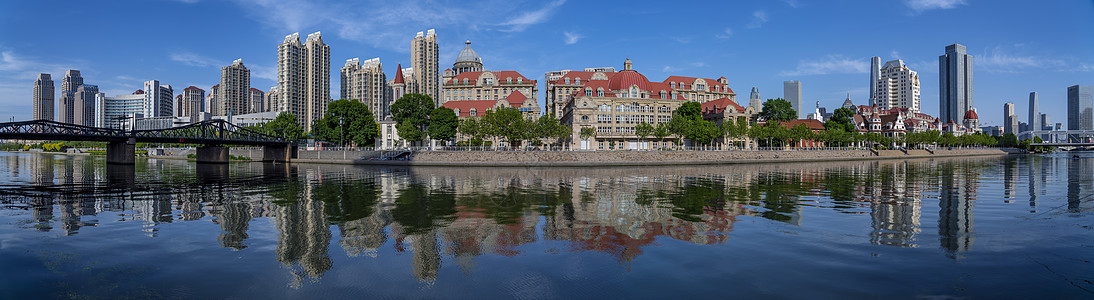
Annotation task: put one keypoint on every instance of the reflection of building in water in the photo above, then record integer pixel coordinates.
(41, 169)
(1080, 184)
(426, 256)
(472, 234)
(365, 235)
(233, 218)
(955, 214)
(895, 204)
(1035, 170)
(1010, 180)
(303, 236)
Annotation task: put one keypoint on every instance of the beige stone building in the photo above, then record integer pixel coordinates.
(424, 59)
(43, 97)
(235, 88)
(193, 100)
(468, 80)
(560, 90)
(366, 82)
(303, 78)
(614, 105)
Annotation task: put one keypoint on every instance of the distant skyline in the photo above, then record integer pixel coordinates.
(1018, 47)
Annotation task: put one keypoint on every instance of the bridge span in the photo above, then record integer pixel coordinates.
(213, 135)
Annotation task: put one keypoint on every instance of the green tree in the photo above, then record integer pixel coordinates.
(443, 124)
(284, 125)
(661, 132)
(346, 121)
(778, 110)
(842, 117)
(472, 129)
(547, 128)
(643, 130)
(586, 133)
(801, 132)
(411, 114)
(508, 123)
(688, 123)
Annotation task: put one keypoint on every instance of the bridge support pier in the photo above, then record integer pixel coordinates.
(279, 153)
(122, 152)
(212, 154)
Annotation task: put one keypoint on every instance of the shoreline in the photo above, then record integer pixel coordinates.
(611, 158)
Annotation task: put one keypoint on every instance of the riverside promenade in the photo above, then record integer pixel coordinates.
(612, 158)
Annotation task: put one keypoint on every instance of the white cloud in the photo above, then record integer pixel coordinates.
(17, 75)
(759, 17)
(264, 72)
(572, 37)
(894, 54)
(792, 3)
(833, 64)
(924, 5)
(725, 34)
(399, 20)
(195, 60)
(1001, 59)
(524, 20)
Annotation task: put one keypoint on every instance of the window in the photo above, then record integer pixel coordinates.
(577, 80)
(567, 80)
(589, 92)
(600, 92)
(472, 112)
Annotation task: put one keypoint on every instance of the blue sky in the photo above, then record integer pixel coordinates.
(1018, 46)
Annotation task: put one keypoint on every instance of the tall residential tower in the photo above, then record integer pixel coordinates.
(43, 97)
(69, 84)
(897, 87)
(303, 78)
(366, 82)
(235, 90)
(425, 60)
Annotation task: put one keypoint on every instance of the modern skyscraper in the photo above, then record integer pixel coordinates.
(69, 84)
(271, 98)
(1034, 112)
(257, 101)
(212, 99)
(235, 90)
(1010, 120)
(193, 101)
(158, 99)
(1080, 107)
(897, 86)
(366, 83)
(754, 99)
(425, 60)
(792, 92)
(43, 97)
(1045, 124)
(84, 105)
(954, 84)
(875, 75)
(180, 106)
(303, 78)
(120, 107)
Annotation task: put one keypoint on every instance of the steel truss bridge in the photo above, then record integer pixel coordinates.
(1061, 138)
(121, 143)
(212, 132)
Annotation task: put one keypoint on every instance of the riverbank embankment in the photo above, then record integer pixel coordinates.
(592, 158)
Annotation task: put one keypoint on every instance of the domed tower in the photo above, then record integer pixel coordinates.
(467, 61)
(972, 121)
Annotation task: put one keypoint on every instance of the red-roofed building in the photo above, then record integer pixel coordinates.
(724, 109)
(615, 102)
(509, 86)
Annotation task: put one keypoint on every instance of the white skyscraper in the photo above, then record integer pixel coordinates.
(897, 86)
(875, 74)
(158, 99)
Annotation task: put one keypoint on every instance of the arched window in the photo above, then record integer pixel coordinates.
(472, 112)
(634, 92)
(600, 92)
(584, 118)
(589, 92)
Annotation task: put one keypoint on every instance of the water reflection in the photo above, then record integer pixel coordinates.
(455, 216)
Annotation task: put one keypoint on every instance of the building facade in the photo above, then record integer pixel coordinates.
(303, 78)
(954, 84)
(1034, 112)
(754, 99)
(516, 90)
(84, 105)
(366, 82)
(897, 86)
(1080, 107)
(69, 84)
(614, 106)
(425, 60)
(397, 87)
(235, 88)
(257, 101)
(792, 92)
(1010, 119)
(158, 99)
(43, 97)
(193, 101)
(119, 109)
(561, 86)
(875, 75)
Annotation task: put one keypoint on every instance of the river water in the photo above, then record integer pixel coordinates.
(981, 227)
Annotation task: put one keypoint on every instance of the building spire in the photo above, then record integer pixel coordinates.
(627, 64)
